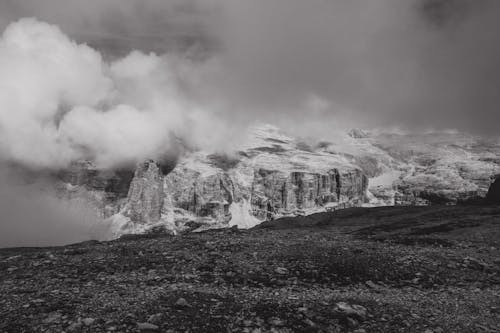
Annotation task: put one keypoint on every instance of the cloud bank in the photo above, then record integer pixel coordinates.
(34, 215)
(312, 67)
(59, 101)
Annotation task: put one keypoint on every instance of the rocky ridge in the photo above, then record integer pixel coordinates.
(423, 168)
(274, 175)
(270, 178)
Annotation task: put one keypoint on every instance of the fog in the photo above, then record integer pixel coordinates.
(413, 64)
(32, 214)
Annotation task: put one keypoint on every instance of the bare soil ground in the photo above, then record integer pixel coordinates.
(392, 269)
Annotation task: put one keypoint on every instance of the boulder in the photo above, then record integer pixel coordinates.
(351, 310)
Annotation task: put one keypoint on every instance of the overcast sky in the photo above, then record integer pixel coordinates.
(368, 63)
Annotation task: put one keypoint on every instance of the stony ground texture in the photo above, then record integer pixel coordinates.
(412, 269)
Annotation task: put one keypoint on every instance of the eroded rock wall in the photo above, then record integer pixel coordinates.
(146, 194)
(286, 193)
(269, 191)
(203, 195)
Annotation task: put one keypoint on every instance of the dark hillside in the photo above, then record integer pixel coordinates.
(393, 269)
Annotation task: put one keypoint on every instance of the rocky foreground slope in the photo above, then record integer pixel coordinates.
(388, 269)
(274, 175)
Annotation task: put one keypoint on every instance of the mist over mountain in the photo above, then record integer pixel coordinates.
(116, 83)
(249, 166)
(324, 64)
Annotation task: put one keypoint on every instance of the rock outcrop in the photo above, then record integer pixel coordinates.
(274, 176)
(145, 196)
(212, 195)
(287, 193)
(205, 196)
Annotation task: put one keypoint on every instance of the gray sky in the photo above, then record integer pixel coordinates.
(412, 63)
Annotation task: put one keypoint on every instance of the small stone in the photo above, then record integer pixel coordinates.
(352, 322)
(309, 322)
(155, 318)
(147, 327)
(74, 326)
(372, 285)
(276, 322)
(281, 270)
(88, 321)
(52, 317)
(356, 311)
(182, 303)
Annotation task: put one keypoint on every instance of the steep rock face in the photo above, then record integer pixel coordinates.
(145, 196)
(272, 178)
(289, 192)
(244, 194)
(205, 196)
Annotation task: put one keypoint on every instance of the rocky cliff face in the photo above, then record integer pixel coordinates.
(193, 195)
(295, 192)
(145, 196)
(274, 175)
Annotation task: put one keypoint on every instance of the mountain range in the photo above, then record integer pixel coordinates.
(274, 175)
